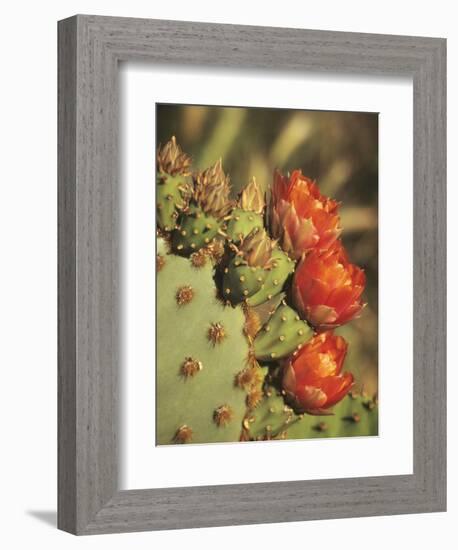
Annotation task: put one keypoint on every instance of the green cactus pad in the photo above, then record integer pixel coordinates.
(265, 310)
(353, 416)
(196, 229)
(170, 199)
(282, 335)
(271, 417)
(275, 279)
(241, 281)
(241, 224)
(200, 350)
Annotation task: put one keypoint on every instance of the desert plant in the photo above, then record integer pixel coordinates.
(246, 306)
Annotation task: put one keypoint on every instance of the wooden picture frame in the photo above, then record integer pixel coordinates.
(90, 48)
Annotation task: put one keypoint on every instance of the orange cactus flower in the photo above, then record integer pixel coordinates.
(300, 217)
(312, 379)
(327, 288)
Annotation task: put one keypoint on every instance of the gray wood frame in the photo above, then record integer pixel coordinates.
(90, 48)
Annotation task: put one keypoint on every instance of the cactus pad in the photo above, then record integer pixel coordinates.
(270, 418)
(281, 335)
(170, 199)
(197, 398)
(355, 415)
(241, 281)
(195, 230)
(241, 223)
(282, 268)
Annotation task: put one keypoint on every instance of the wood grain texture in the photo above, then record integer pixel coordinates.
(90, 49)
(67, 437)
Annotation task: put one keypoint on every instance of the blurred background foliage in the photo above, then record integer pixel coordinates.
(337, 149)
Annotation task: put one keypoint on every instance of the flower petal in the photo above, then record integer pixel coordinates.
(311, 397)
(320, 315)
(336, 387)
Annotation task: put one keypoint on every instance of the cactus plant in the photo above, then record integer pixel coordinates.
(247, 214)
(281, 268)
(173, 184)
(209, 204)
(249, 267)
(355, 415)
(270, 419)
(257, 270)
(282, 335)
(237, 355)
(197, 398)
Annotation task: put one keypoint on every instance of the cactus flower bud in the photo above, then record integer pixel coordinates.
(312, 379)
(327, 288)
(252, 198)
(257, 249)
(300, 217)
(211, 191)
(171, 159)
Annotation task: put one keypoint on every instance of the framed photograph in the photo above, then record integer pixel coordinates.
(251, 275)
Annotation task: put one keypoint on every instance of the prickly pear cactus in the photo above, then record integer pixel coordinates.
(201, 348)
(237, 357)
(249, 267)
(241, 223)
(270, 418)
(282, 267)
(204, 218)
(247, 214)
(173, 184)
(256, 271)
(355, 415)
(196, 229)
(282, 335)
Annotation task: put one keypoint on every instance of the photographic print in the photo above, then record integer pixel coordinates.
(266, 274)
